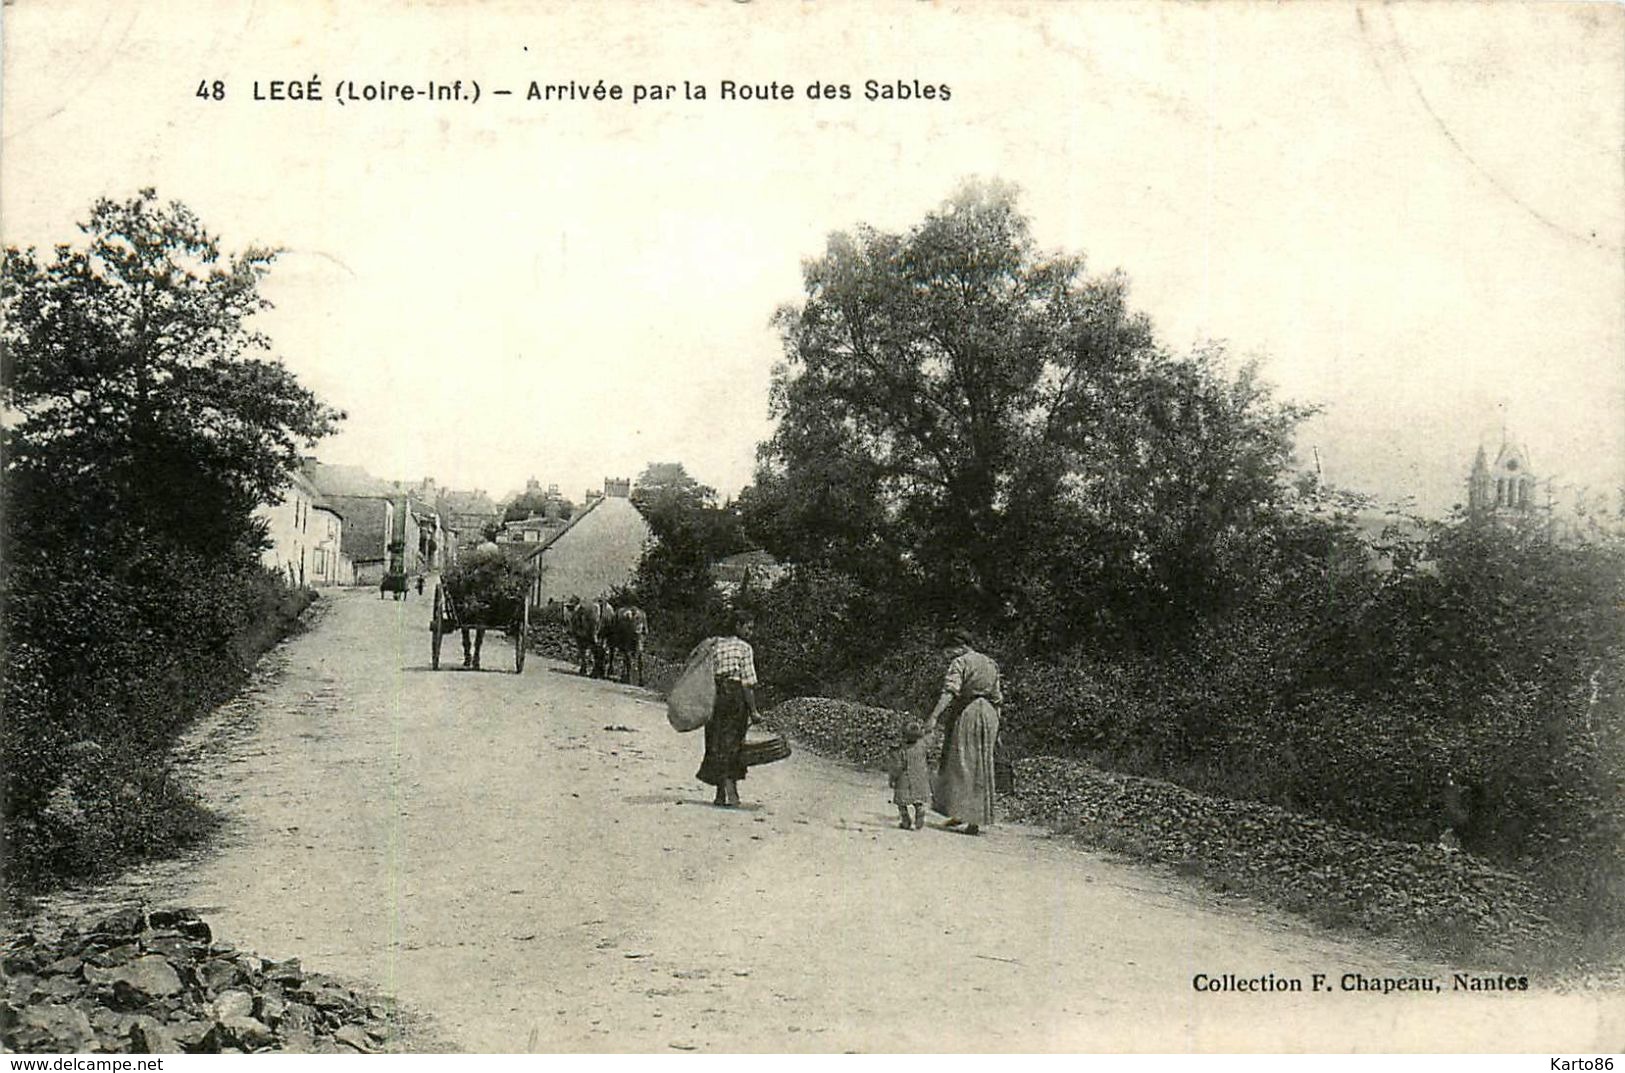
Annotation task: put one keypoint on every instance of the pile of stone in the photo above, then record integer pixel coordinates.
(1327, 872)
(155, 982)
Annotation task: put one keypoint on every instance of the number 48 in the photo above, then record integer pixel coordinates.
(211, 91)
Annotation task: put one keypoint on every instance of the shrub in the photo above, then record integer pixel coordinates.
(103, 670)
(819, 627)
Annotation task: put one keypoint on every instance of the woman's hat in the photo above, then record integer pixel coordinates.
(956, 636)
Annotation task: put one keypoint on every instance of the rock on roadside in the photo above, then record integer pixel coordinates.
(156, 982)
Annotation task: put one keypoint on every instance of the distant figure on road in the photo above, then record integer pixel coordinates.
(910, 781)
(420, 584)
(734, 667)
(970, 701)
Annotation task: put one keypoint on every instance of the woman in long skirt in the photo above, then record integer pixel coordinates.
(734, 663)
(969, 710)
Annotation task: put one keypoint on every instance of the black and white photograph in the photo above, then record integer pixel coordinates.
(812, 527)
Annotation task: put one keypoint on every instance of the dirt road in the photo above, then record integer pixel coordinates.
(529, 861)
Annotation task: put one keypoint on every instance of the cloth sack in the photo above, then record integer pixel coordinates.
(688, 705)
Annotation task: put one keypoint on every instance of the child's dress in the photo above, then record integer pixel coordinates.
(911, 782)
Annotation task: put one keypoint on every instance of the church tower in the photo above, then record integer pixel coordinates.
(1505, 487)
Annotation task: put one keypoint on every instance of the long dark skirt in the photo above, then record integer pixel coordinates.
(964, 785)
(725, 734)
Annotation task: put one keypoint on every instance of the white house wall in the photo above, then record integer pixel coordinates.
(328, 563)
(288, 526)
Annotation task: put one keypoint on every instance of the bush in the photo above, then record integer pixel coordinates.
(823, 632)
(134, 598)
(103, 671)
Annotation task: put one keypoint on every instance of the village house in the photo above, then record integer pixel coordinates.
(417, 538)
(547, 513)
(597, 551)
(537, 530)
(305, 534)
(367, 504)
(328, 563)
(366, 538)
(389, 527)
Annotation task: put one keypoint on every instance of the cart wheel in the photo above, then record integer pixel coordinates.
(437, 627)
(521, 640)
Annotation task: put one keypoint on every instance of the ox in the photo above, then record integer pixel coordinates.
(626, 640)
(590, 623)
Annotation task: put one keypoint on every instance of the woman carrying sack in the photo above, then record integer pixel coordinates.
(689, 704)
(732, 712)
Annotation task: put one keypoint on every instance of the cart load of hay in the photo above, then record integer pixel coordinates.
(487, 587)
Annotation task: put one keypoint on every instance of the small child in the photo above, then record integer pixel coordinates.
(910, 781)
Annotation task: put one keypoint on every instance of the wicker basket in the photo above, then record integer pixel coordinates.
(763, 747)
(1004, 776)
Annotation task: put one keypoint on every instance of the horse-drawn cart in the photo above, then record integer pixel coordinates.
(483, 596)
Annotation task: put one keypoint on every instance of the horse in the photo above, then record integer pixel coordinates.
(626, 635)
(590, 623)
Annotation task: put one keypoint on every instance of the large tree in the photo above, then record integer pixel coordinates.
(666, 491)
(692, 531)
(998, 422)
(128, 367)
(538, 503)
(142, 433)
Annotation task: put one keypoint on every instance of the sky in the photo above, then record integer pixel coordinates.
(1412, 216)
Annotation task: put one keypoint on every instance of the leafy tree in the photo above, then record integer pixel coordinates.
(667, 495)
(827, 507)
(1170, 504)
(536, 504)
(692, 531)
(1004, 429)
(136, 402)
(143, 434)
(681, 510)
